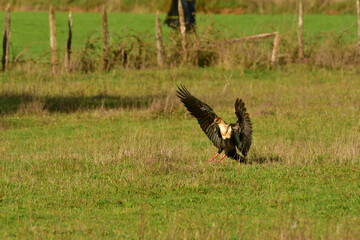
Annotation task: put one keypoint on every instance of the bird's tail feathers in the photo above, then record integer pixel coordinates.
(237, 157)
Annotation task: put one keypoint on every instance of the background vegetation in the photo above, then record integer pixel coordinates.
(208, 6)
(330, 41)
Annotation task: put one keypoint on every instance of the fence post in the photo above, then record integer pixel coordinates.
(358, 14)
(105, 40)
(6, 40)
(275, 47)
(300, 32)
(53, 44)
(159, 42)
(68, 45)
(182, 29)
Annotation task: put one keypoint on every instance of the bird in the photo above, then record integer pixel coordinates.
(226, 137)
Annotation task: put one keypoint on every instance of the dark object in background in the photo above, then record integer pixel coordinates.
(172, 19)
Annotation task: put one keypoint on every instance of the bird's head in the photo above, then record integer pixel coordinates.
(218, 120)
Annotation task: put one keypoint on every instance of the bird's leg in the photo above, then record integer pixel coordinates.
(222, 158)
(213, 157)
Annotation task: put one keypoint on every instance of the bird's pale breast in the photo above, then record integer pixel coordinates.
(225, 131)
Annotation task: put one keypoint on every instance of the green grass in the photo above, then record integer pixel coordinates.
(30, 30)
(116, 155)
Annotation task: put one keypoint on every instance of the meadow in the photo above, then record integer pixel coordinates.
(114, 154)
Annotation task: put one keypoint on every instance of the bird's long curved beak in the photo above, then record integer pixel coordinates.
(212, 123)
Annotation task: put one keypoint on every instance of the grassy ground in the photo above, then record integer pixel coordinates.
(30, 31)
(116, 155)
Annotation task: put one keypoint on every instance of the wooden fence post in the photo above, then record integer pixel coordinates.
(68, 45)
(300, 32)
(105, 40)
(6, 40)
(159, 42)
(53, 44)
(182, 29)
(358, 15)
(275, 47)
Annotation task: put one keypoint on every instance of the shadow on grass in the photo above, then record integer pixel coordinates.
(11, 102)
(264, 159)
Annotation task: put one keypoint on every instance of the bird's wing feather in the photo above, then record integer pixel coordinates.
(243, 128)
(203, 113)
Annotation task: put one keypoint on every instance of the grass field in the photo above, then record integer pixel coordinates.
(30, 30)
(116, 155)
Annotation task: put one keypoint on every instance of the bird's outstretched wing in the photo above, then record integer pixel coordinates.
(203, 113)
(242, 129)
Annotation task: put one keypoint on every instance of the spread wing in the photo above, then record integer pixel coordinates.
(203, 113)
(242, 128)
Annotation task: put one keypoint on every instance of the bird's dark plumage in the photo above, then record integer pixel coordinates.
(203, 113)
(225, 137)
(243, 127)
